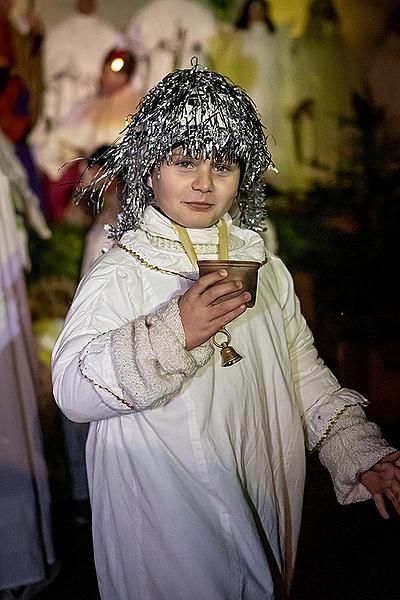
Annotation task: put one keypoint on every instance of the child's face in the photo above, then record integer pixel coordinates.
(195, 192)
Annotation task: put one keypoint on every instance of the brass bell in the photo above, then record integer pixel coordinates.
(229, 356)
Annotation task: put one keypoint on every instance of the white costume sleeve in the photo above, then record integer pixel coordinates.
(353, 446)
(320, 397)
(149, 360)
(109, 360)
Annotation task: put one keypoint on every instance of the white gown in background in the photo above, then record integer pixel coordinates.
(269, 54)
(322, 79)
(166, 34)
(26, 548)
(73, 55)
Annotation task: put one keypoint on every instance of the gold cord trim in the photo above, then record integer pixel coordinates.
(331, 425)
(102, 387)
(223, 240)
(149, 265)
(145, 263)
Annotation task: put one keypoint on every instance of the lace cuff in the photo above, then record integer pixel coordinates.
(353, 446)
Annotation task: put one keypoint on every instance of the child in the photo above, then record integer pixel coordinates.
(196, 471)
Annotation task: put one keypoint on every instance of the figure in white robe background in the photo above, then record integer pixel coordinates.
(166, 34)
(73, 54)
(27, 559)
(96, 120)
(267, 45)
(322, 80)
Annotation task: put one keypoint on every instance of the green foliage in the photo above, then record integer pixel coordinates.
(60, 256)
(224, 9)
(346, 234)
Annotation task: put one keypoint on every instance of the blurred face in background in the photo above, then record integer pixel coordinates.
(112, 81)
(257, 12)
(86, 7)
(119, 65)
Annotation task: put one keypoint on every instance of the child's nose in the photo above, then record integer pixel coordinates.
(203, 180)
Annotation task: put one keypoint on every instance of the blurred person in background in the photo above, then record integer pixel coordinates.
(166, 34)
(27, 561)
(92, 122)
(16, 118)
(322, 82)
(259, 38)
(267, 46)
(73, 53)
(96, 120)
(28, 32)
(384, 79)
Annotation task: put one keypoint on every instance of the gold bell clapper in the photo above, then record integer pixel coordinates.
(229, 356)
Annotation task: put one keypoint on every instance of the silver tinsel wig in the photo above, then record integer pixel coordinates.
(206, 115)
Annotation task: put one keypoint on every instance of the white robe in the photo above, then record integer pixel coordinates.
(73, 55)
(200, 498)
(26, 546)
(74, 51)
(168, 33)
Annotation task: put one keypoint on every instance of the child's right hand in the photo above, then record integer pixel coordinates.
(200, 318)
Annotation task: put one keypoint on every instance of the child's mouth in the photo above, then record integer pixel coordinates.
(199, 206)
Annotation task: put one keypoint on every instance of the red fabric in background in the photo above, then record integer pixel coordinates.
(14, 112)
(58, 194)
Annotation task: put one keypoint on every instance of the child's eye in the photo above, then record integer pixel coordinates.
(185, 164)
(222, 167)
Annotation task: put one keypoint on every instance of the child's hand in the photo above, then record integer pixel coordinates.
(383, 479)
(199, 317)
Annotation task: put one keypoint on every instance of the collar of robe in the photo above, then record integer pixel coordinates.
(156, 223)
(186, 242)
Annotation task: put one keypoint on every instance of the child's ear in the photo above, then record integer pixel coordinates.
(150, 182)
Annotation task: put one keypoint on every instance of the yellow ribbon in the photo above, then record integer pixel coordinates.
(186, 242)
